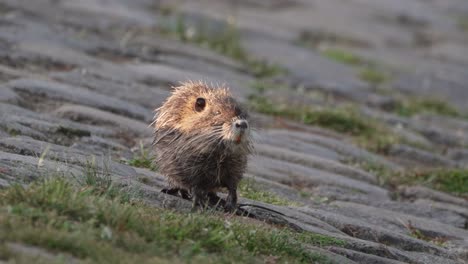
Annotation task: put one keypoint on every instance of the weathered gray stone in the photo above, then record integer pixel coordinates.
(421, 192)
(313, 162)
(7, 95)
(369, 231)
(3, 134)
(115, 9)
(397, 221)
(57, 91)
(301, 176)
(332, 257)
(309, 69)
(441, 130)
(19, 121)
(442, 212)
(412, 156)
(460, 155)
(338, 146)
(30, 147)
(151, 178)
(98, 145)
(284, 141)
(146, 96)
(24, 169)
(453, 79)
(362, 257)
(36, 252)
(149, 73)
(98, 117)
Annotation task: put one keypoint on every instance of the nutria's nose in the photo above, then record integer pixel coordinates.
(241, 124)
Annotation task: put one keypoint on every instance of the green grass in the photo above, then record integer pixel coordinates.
(463, 23)
(91, 225)
(372, 75)
(343, 56)
(418, 234)
(340, 120)
(143, 159)
(383, 173)
(366, 132)
(454, 181)
(413, 106)
(13, 132)
(248, 189)
(73, 132)
(368, 70)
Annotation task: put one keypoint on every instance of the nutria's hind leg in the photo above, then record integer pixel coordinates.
(177, 192)
(185, 194)
(231, 199)
(215, 200)
(199, 199)
(171, 191)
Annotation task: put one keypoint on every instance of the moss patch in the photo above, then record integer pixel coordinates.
(93, 226)
(72, 132)
(454, 181)
(143, 159)
(342, 56)
(418, 234)
(382, 172)
(248, 189)
(412, 106)
(372, 75)
(366, 132)
(463, 23)
(368, 71)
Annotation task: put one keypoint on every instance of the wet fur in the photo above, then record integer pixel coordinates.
(193, 149)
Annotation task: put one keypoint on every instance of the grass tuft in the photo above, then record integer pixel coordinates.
(65, 218)
(342, 56)
(368, 133)
(463, 23)
(368, 70)
(454, 181)
(413, 106)
(372, 75)
(248, 189)
(418, 234)
(143, 159)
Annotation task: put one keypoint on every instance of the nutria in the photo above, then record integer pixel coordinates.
(201, 142)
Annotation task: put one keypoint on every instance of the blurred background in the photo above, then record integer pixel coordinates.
(360, 109)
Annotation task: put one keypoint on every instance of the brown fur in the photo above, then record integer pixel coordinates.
(194, 149)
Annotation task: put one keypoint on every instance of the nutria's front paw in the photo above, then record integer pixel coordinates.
(214, 200)
(230, 208)
(231, 204)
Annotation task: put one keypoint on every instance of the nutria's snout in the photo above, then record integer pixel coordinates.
(241, 124)
(240, 129)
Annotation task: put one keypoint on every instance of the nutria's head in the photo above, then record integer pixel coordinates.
(194, 108)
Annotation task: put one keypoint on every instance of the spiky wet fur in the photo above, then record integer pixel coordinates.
(195, 150)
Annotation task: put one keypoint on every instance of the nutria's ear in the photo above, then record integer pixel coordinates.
(200, 104)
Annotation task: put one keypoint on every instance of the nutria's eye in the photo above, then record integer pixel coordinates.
(200, 104)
